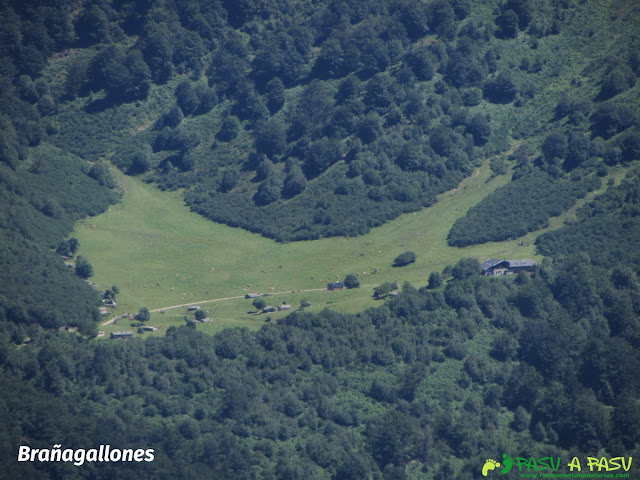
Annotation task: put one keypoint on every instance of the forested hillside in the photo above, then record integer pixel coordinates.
(427, 386)
(300, 120)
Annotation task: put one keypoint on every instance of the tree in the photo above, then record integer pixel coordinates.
(508, 23)
(269, 190)
(349, 88)
(271, 137)
(554, 145)
(68, 248)
(99, 171)
(92, 25)
(265, 169)
(295, 183)
(385, 289)
(304, 303)
(404, 259)
(620, 79)
(207, 98)
(435, 280)
(419, 59)
(143, 315)
(140, 161)
(274, 91)
(465, 268)
(229, 129)
(63, 249)
(320, 155)
(351, 281)
(74, 244)
(201, 315)
(83, 268)
(46, 105)
(186, 97)
(480, 128)
(172, 118)
(370, 127)
(259, 304)
(502, 89)
(230, 178)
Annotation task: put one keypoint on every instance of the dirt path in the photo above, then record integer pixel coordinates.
(201, 302)
(463, 183)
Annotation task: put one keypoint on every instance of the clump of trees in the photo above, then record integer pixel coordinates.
(143, 315)
(83, 268)
(352, 281)
(68, 248)
(404, 258)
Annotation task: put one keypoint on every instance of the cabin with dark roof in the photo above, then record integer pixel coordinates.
(269, 309)
(335, 286)
(495, 268)
(121, 335)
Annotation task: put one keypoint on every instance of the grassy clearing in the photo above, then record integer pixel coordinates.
(160, 254)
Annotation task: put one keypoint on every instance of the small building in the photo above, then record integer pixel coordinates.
(516, 266)
(103, 311)
(121, 335)
(193, 308)
(252, 295)
(284, 307)
(335, 286)
(494, 267)
(149, 328)
(269, 309)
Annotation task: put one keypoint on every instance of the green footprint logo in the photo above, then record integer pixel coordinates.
(489, 465)
(508, 463)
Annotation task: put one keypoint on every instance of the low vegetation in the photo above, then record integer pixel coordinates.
(523, 205)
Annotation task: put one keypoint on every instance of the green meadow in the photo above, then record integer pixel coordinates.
(161, 255)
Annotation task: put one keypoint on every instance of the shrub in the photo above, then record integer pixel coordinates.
(352, 281)
(404, 259)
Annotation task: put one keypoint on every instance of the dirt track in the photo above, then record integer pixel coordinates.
(109, 322)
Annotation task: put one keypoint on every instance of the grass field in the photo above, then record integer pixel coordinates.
(160, 255)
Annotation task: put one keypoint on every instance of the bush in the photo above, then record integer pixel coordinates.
(143, 315)
(435, 280)
(465, 268)
(229, 130)
(352, 281)
(404, 259)
(83, 268)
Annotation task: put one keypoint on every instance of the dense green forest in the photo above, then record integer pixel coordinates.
(300, 120)
(328, 118)
(430, 384)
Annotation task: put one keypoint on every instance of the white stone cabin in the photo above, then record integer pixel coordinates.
(284, 307)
